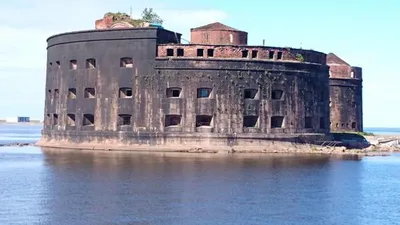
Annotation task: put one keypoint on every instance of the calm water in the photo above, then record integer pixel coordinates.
(47, 186)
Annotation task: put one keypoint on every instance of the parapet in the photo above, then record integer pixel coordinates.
(119, 20)
(218, 34)
(340, 69)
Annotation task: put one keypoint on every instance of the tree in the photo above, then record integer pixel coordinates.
(150, 16)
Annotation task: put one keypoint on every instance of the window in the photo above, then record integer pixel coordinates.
(352, 74)
(280, 55)
(56, 93)
(71, 93)
(337, 125)
(124, 119)
(203, 121)
(71, 119)
(55, 119)
(180, 52)
(276, 94)
(254, 54)
(330, 73)
(203, 92)
(210, 52)
(88, 120)
(277, 122)
(50, 64)
(322, 123)
(89, 93)
(271, 54)
(200, 52)
(250, 93)
(90, 63)
(73, 64)
(58, 64)
(250, 121)
(245, 53)
(125, 92)
(308, 123)
(126, 62)
(353, 125)
(173, 120)
(170, 52)
(48, 119)
(173, 92)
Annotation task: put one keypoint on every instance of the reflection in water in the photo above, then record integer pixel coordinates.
(84, 187)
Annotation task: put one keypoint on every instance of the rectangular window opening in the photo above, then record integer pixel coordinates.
(203, 120)
(210, 52)
(280, 55)
(90, 63)
(271, 54)
(56, 93)
(203, 92)
(55, 119)
(250, 121)
(245, 53)
(277, 122)
(58, 64)
(308, 123)
(254, 54)
(71, 119)
(173, 92)
(353, 125)
(276, 94)
(71, 93)
(180, 52)
(173, 120)
(90, 93)
(126, 62)
(88, 120)
(124, 120)
(125, 92)
(250, 93)
(73, 64)
(170, 52)
(200, 52)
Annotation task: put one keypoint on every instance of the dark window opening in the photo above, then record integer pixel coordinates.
(48, 119)
(271, 54)
(277, 122)
(308, 123)
(342, 125)
(90, 63)
(203, 92)
(276, 94)
(210, 52)
(50, 64)
(58, 64)
(88, 120)
(71, 119)
(280, 55)
(254, 54)
(71, 93)
(170, 52)
(250, 121)
(73, 64)
(173, 120)
(200, 52)
(250, 93)
(353, 125)
(337, 125)
(125, 92)
(245, 53)
(126, 62)
(124, 120)
(180, 52)
(173, 92)
(55, 119)
(56, 93)
(322, 123)
(203, 121)
(90, 93)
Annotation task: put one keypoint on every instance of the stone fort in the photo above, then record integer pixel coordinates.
(141, 88)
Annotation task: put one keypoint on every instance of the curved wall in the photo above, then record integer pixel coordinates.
(109, 88)
(218, 37)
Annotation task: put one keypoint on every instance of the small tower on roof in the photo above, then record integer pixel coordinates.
(218, 34)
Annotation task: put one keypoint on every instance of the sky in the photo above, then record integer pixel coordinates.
(364, 33)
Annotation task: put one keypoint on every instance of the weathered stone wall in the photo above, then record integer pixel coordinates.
(218, 37)
(109, 87)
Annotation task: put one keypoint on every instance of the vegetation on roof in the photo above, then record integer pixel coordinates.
(148, 15)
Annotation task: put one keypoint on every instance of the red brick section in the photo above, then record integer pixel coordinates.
(218, 34)
(338, 67)
(236, 52)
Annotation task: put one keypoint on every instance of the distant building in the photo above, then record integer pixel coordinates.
(19, 119)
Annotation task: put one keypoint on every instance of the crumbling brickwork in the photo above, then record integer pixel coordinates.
(218, 34)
